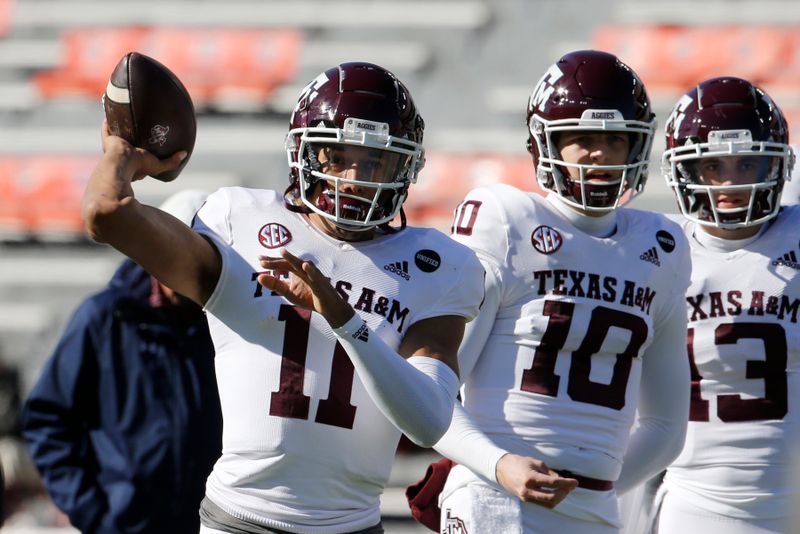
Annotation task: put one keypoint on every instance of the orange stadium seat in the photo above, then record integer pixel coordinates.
(41, 196)
(88, 57)
(448, 177)
(750, 52)
(793, 118)
(648, 51)
(14, 224)
(670, 59)
(220, 63)
(783, 84)
(55, 190)
(215, 64)
(6, 9)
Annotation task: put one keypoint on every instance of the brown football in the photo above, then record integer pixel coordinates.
(147, 105)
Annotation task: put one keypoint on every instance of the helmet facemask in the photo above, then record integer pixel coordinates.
(386, 166)
(769, 167)
(584, 192)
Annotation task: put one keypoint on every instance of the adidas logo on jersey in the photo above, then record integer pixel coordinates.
(789, 259)
(399, 268)
(651, 255)
(362, 334)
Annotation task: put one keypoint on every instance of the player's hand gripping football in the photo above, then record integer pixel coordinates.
(307, 287)
(532, 481)
(136, 162)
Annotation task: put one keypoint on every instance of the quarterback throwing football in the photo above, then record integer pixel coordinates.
(333, 331)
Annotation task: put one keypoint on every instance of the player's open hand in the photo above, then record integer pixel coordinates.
(532, 481)
(307, 287)
(137, 162)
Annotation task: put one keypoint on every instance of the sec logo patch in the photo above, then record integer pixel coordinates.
(546, 240)
(274, 235)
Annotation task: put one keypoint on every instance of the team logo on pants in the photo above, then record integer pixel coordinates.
(453, 525)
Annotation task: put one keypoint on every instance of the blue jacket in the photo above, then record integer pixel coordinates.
(124, 423)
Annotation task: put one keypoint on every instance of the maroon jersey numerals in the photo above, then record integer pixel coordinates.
(771, 369)
(289, 400)
(541, 377)
(464, 217)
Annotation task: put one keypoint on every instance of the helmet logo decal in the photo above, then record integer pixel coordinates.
(546, 240)
(274, 235)
(678, 114)
(310, 92)
(427, 260)
(545, 87)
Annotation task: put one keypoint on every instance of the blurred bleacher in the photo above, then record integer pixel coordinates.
(470, 65)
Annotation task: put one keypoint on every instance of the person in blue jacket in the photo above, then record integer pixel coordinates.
(124, 422)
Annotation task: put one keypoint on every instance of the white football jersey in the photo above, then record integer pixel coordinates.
(744, 345)
(304, 446)
(558, 377)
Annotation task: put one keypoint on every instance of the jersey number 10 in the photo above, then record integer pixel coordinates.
(541, 377)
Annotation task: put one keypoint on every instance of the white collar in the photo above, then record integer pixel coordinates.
(720, 244)
(602, 226)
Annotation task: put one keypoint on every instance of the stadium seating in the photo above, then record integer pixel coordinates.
(784, 82)
(448, 177)
(88, 57)
(670, 59)
(6, 8)
(306, 14)
(219, 66)
(793, 118)
(41, 196)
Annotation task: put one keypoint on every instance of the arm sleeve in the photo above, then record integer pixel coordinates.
(466, 444)
(416, 395)
(54, 424)
(663, 402)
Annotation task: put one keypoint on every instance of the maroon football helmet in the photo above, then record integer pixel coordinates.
(354, 104)
(723, 118)
(590, 91)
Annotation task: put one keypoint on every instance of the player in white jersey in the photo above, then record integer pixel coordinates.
(333, 331)
(582, 322)
(727, 159)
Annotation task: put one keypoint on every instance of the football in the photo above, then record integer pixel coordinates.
(147, 105)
